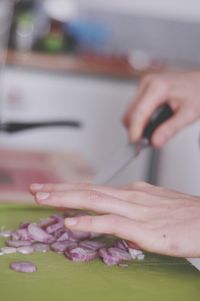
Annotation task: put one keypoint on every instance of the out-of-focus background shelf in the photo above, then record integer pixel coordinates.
(91, 65)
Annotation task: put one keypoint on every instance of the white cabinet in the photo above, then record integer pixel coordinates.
(179, 162)
(98, 103)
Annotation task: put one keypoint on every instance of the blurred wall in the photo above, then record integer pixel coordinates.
(178, 9)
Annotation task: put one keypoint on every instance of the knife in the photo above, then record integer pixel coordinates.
(132, 150)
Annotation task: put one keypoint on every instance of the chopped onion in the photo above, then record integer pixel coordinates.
(8, 250)
(51, 234)
(92, 245)
(64, 236)
(55, 227)
(61, 246)
(5, 234)
(45, 222)
(81, 254)
(23, 267)
(107, 258)
(120, 254)
(40, 247)
(25, 250)
(38, 234)
(78, 235)
(18, 243)
(24, 225)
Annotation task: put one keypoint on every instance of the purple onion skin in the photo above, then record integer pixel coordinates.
(81, 254)
(23, 267)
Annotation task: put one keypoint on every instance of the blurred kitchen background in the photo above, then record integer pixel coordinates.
(80, 61)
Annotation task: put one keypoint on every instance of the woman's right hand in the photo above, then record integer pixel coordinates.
(181, 90)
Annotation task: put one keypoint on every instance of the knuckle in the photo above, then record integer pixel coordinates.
(147, 78)
(159, 83)
(139, 185)
(94, 196)
(112, 222)
(84, 186)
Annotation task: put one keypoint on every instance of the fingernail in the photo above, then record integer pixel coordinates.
(71, 221)
(42, 196)
(36, 186)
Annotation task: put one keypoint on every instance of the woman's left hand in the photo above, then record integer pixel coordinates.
(158, 220)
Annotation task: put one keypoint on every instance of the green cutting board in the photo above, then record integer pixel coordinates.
(158, 278)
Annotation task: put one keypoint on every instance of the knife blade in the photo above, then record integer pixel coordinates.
(132, 150)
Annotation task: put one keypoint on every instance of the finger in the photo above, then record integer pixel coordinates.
(143, 86)
(153, 98)
(109, 224)
(93, 200)
(119, 192)
(171, 127)
(36, 187)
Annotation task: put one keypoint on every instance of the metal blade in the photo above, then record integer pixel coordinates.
(119, 161)
(195, 262)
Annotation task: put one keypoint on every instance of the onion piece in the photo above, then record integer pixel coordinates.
(121, 244)
(40, 247)
(15, 235)
(23, 267)
(5, 234)
(18, 243)
(61, 246)
(64, 236)
(134, 253)
(122, 255)
(24, 225)
(23, 234)
(57, 218)
(25, 250)
(8, 250)
(45, 222)
(92, 245)
(38, 234)
(81, 254)
(140, 257)
(78, 235)
(53, 228)
(107, 258)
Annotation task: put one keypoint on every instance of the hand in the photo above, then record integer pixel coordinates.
(158, 220)
(180, 90)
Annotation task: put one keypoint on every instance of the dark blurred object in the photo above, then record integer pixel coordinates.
(14, 127)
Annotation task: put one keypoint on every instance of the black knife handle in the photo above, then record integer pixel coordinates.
(161, 115)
